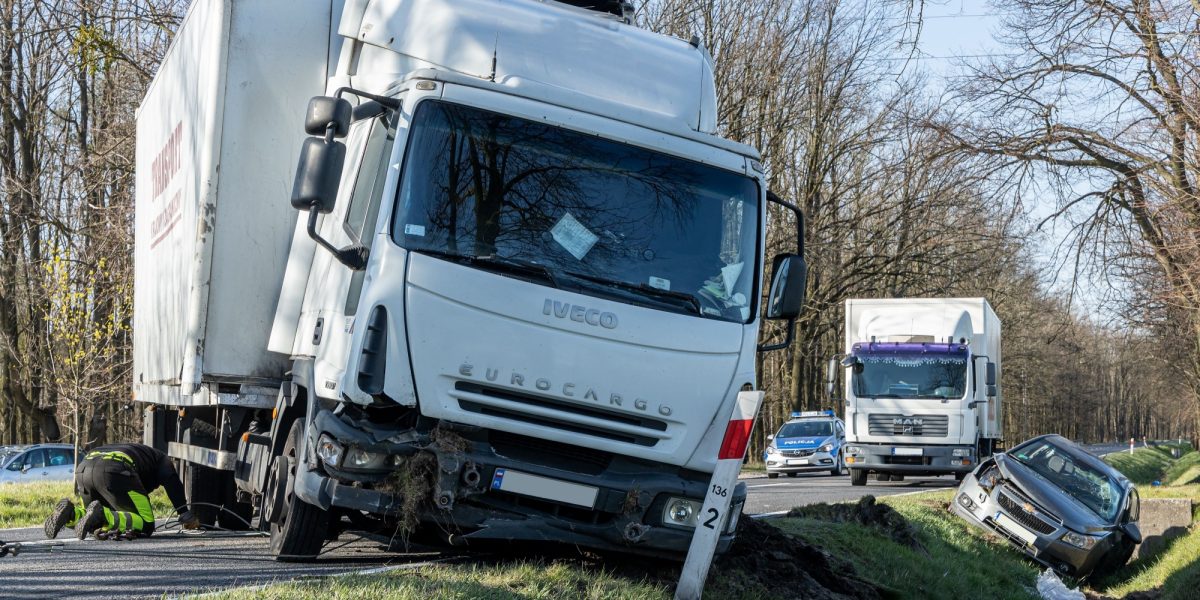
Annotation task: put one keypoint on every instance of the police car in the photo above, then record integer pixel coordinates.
(809, 441)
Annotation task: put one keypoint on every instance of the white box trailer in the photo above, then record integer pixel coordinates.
(217, 142)
(918, 397)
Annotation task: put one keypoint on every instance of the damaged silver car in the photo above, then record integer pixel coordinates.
(1060, 505)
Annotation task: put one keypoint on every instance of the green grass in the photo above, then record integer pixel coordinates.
(1175, 572)
(27, 504)
(523, 580)
(955, 560)
(1144, 466)
(1184, 471)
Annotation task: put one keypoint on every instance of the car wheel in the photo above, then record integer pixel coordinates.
(1116, 558)
(858, 477)
(772, 475)
(839, 467)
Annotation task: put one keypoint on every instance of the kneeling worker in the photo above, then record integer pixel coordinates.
(114, 482)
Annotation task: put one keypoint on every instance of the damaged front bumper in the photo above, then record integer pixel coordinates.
(478, 484)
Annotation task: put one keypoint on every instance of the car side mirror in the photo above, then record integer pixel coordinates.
(789, 279)
(25, 468)
(1132, 531)
(771, 438)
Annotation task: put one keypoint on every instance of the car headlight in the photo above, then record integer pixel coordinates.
(682, 512)
(771, 449)
(357, 458)
(988, 478)
(826, 448)
(1080, 540)
(328, 450)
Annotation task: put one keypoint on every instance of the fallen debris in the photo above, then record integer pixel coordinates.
(1050, 587)
(866, 512)
(766, 557)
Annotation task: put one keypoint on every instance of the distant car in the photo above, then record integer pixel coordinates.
(810, 441)
(40, 462)
(1057, 503)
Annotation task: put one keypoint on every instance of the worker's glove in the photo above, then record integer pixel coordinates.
(188, 520)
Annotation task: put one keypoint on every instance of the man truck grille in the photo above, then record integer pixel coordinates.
(909, 425)
(1014, 509)
(556, 414)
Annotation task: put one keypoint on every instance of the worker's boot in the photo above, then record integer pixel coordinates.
(93, 519)
(63, 515)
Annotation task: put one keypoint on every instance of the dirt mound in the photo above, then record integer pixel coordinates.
(866, 512)
(763, 556)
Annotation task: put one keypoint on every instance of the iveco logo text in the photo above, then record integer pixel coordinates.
(569, 390)
(908, 421)
(583, 314)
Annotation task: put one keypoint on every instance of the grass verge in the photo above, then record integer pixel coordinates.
(27, 504)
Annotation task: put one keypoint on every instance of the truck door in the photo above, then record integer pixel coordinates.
(335, 289)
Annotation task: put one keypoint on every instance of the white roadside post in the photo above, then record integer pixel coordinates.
(1131, 445)
(719, 496)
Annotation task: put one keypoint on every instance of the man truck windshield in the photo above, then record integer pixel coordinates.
(902, 372)
(579, 212)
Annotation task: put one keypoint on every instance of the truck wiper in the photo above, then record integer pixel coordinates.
(498, 263)
(687, 299)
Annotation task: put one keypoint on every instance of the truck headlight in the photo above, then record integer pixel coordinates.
(961, 452)
(328, 450)
(852, 450)
(357, 458)
(681, 511)
(1080, 540)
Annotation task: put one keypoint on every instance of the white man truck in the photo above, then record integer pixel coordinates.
(519, 301)
(921, 386)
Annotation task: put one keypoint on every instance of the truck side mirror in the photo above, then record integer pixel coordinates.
(990, 377)
(789, 278)
(831, 376)
(325, 113)
(318, 174)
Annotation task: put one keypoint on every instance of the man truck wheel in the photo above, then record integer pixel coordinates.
(772, 475)
(234, 515)
(297, 527)
(883, 476)
(858, 477)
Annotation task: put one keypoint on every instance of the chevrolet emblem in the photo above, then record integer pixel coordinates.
(1028, 507)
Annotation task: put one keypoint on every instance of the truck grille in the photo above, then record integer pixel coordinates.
(556, 414)
(909, 425)
(1018, 513)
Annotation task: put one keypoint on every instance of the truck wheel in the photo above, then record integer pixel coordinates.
(858, 477)
(202, 487)
(896, 477)
(297, 527)
(883, 476)
(772, 475)
(959, 476)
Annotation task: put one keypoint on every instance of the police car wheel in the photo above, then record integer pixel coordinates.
(839, 467)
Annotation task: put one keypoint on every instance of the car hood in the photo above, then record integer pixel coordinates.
(801, 443)
(1052, 498)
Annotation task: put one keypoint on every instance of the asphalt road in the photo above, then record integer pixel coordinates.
(775, 495)
(170, 564)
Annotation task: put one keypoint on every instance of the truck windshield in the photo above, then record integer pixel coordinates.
(901, 374)
(806, 429)
(579, 212)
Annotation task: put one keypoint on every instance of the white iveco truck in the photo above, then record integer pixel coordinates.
(921, 386)
(520, 298)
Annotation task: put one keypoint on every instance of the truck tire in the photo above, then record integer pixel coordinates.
(772, 475)
(858, 477)
(883, 476)
(202, 487)
(896, 477)
(298, 529)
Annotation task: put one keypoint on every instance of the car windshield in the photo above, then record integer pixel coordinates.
(579, 212)
(806, 429)
(1092, 488)
(891, 374)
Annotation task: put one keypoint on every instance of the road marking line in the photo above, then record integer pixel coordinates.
(313, 577)
(752, 487)
(770, 515)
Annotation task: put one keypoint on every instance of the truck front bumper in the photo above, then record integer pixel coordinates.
(627, 515)
(932, 460)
